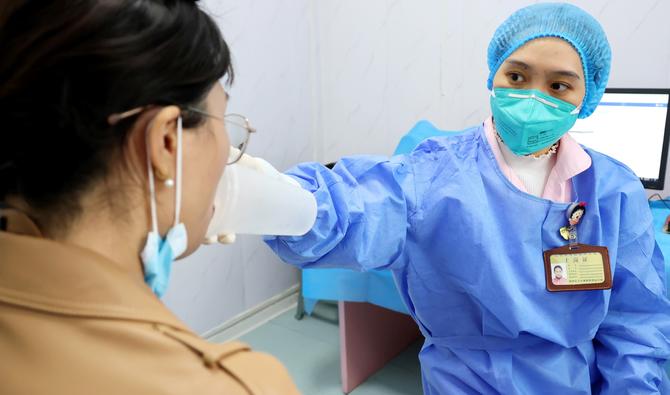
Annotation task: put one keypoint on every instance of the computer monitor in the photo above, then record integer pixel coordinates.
(632, 126)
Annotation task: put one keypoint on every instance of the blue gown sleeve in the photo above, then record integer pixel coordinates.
(633, 342)
(364, 205)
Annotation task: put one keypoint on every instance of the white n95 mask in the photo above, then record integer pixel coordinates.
(254, 198)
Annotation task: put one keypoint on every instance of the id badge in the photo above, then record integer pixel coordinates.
(577, 267)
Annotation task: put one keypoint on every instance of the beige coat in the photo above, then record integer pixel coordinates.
(73, 322)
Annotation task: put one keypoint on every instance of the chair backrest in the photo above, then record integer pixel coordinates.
(421, 131)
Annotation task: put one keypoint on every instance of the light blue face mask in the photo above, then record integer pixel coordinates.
(159, 254)
(529, 120)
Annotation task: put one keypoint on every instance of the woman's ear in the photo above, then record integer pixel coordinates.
(161, 139)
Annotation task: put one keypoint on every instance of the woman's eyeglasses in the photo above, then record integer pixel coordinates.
(237, 126)
(239, 132)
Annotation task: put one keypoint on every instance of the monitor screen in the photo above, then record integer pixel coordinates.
(631, 126)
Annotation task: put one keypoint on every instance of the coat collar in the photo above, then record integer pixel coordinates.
(54, 277)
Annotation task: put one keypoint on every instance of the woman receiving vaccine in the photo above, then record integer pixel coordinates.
(114, 140)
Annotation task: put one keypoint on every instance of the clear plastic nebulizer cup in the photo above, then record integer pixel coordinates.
(251, 201)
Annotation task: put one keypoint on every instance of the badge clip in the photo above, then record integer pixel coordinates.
(574, 213)
(577, 267)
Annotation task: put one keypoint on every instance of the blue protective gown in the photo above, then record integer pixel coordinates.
(465, 247)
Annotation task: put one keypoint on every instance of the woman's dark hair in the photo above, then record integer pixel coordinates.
(67, 65)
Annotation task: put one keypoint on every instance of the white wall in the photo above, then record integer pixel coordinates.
(327, 78)
(388, 63)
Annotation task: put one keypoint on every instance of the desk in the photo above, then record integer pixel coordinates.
(374, 325)
(370, 336)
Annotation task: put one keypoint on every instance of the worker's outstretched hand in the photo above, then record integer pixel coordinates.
(260, 165)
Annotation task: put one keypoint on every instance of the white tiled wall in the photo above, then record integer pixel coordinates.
(388, 63)
(326, 78)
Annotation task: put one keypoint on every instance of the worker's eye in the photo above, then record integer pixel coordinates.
(559, 86)
(516, 77)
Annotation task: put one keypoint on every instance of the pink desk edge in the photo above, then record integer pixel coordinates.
(370, 336)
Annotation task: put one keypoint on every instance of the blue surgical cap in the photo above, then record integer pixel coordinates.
(561, 20)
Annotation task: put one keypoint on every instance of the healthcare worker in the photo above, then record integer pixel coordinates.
(470, 227)
(112, 145)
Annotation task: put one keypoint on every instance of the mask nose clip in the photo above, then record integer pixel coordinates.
(530, 120)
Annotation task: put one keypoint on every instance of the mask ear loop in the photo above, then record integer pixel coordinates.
(152, 189)
(178, 177)
(178, 181)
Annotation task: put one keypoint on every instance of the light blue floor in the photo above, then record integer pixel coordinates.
(310, 350)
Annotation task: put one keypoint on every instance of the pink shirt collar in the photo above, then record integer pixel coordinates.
(571, 159)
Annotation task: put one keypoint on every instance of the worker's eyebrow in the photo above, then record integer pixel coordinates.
(566, 73)
(519, 63)
(526, 66)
